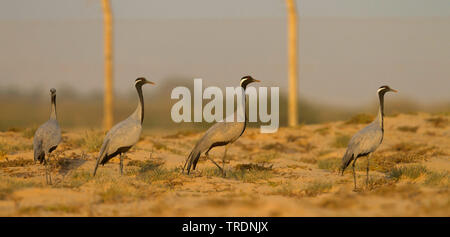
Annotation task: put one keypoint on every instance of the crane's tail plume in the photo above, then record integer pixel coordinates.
(101, 156)
(346, 160)
(192, 160)
(39, 154)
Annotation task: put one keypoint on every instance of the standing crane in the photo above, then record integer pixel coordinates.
(367, 140)
(222, 133)
(125, 134)
(46, 138)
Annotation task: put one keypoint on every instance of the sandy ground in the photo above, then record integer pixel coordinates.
(293, 172)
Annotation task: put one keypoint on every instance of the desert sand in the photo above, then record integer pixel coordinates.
(293, 172)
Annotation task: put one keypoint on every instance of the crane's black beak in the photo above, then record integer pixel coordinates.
(149, 82)
(254, 80)
(394, 90)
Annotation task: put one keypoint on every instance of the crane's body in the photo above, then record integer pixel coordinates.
(120, 139)
(47, 137)
(367, 140)
(223, 133)
(125, 134)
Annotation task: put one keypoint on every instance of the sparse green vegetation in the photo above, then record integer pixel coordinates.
(248, 173)
(20, 162)
(323, 130)
(114, 193)
(360, 119)
(437, 178)
(9, 185)
(411, 129)
(91, 141)
(29, 132)
(8, 148)
(438, 122)
(286, 190)
(77, 178)
(341, 141)
(180, 134)
(411, 172)
(309, 160)
(317, 187)
(267, 157)
(332, 164)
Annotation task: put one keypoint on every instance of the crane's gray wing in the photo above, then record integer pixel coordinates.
(46, 138)
(362, 143)
(219, 134)
(123, 135)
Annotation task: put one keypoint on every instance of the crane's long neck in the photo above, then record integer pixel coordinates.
(139, 112)
(380, 116)
(53, 107)
(243, 105)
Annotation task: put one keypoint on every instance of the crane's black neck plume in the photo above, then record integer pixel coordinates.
(140, 107)
(381, 93)
(53, 104)
(245, 81)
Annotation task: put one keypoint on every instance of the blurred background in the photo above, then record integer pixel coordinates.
(347, 49)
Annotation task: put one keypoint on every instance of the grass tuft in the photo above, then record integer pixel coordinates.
(341, 141)
(411, 172)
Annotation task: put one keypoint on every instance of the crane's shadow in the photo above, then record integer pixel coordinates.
(67, 164)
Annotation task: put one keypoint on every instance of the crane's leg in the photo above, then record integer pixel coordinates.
(121, 164)
(223, 160)
(367, 178)
(49, 170)
(48, 177)
(218, 166)
(46, 171)
(354, 175)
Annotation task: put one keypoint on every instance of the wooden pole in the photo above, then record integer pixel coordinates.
(108, 117)
(292, 62)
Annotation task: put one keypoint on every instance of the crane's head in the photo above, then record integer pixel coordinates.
(142, 81)
(53, 93)
(247, 80)
(383, 89)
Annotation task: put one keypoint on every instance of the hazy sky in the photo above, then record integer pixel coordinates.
(132, 9)
(347, 47)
